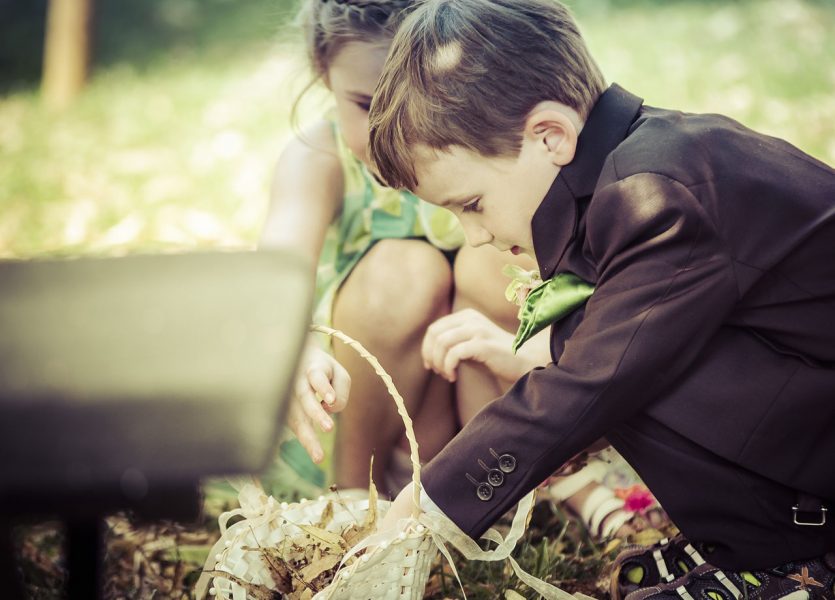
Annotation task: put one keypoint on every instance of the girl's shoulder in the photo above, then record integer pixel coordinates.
(317, 137)
(312, 153)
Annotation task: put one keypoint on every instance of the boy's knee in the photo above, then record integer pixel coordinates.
(399, 286)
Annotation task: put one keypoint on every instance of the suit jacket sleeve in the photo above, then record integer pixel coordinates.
(665, 284)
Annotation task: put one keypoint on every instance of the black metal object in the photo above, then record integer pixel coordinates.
(124, 381)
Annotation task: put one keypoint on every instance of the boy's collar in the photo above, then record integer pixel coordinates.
(554, 223)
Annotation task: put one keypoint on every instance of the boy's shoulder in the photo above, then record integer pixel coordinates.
(694, 149)
(686, 147)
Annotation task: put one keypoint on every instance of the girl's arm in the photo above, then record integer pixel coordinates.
(306, 193)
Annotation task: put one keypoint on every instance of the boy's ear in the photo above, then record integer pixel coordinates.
(554, 131)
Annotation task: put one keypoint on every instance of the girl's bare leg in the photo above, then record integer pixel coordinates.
(480, 284)
(392, 295)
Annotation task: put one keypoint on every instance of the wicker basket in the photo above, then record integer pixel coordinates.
(396, 569)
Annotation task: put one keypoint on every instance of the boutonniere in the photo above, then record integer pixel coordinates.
(542, 303)
(521, 284)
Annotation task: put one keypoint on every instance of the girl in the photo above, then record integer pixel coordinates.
(384, 269)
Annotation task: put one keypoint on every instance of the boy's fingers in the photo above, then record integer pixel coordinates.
(433, 333)
(428, 344)
(443, 343)
(436, 360)
(451, 360)
(466, 350)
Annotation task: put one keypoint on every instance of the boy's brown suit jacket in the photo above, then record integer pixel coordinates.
(712, 249)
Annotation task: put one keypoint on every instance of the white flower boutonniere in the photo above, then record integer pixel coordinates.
(521, 285)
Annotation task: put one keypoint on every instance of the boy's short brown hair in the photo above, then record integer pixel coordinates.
(468, 72)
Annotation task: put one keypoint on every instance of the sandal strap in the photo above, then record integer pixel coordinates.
(569, 485)
(605, 509)
(599, 496)
(615, 521)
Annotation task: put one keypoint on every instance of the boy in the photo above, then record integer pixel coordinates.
(705, 355)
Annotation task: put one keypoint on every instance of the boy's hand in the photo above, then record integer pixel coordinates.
(322, 387)
(469, 335)
(401, 508)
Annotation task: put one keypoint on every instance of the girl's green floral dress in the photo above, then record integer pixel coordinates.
(373, 212)
(370, 212)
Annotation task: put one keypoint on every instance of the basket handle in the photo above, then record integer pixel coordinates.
(398, 400)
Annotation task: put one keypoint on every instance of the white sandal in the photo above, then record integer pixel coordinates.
(602, 513)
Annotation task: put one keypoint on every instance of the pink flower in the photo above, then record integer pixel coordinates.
(521, 285)
(522, 294)
(637, 498)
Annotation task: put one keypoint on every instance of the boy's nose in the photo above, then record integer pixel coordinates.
(477, 236)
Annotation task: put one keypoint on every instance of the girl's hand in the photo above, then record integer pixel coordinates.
(322, 387)
(469, 335)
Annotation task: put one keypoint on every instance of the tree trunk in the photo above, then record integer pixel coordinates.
(67, 51)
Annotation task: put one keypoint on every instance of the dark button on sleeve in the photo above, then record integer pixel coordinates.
(507, 463)
(484, 492)
(495, 477)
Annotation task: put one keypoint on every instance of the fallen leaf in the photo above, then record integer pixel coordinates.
(279, 571)
(323, 535)
(312, 571)
(256, 592)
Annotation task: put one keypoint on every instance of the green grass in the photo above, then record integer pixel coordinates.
(767, 64)
(173, 149)
(555, 549)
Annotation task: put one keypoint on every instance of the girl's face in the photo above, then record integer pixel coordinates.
(352, 77)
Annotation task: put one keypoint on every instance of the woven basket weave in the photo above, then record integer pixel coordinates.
(396, 569)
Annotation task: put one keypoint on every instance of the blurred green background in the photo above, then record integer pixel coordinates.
(172, 142)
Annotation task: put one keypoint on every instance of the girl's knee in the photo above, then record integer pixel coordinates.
(398, 286)
(480, 283)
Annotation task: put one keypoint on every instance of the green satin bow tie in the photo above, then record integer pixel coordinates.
(549, 302)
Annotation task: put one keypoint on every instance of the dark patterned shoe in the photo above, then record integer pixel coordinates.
(806, 580)
(639, 567)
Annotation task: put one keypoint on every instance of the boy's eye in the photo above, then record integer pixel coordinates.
(363, 106)
(472, 206)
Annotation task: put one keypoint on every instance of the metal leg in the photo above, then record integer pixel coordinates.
(9, 579)
(85, 553)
